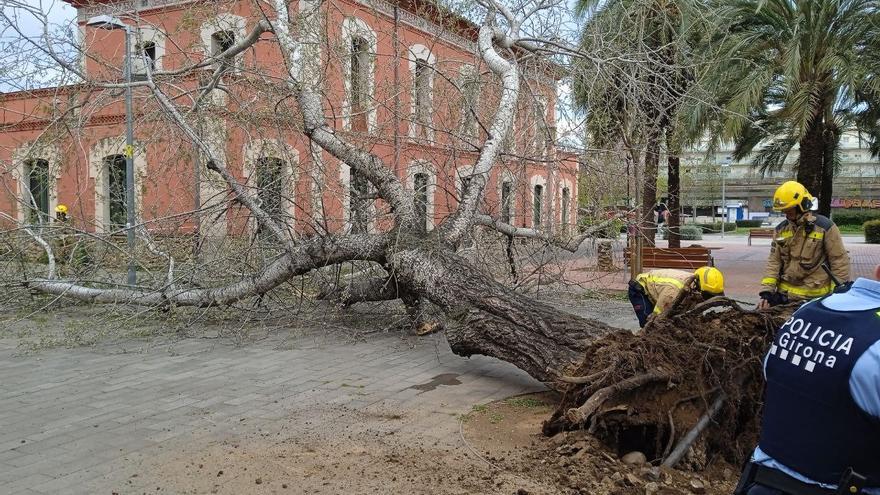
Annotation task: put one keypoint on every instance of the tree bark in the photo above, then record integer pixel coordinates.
(673, 163)
(485, 317)
(649, 188)
(830, 138)
(812, 157)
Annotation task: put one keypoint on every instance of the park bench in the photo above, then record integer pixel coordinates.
(765, 233)
(687, 258)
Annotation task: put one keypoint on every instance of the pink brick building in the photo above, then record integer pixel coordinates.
(400, 80)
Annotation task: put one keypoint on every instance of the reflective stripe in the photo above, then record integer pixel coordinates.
(816, 235)
(785, 234)
(657, 310)
(800, 291)
(768, 281)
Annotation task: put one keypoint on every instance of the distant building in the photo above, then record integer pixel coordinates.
(748, 193)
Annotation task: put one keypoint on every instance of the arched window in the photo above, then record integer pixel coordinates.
(359, 202)
(358, 67)
(506, 201)
(538, 205)
(420, 192)
(421, 63)
(271, 182)
(470, 95)
(359, 79)
(115, 176)
(37, 182)
(566, 207)
(222, 41)
(146, 53)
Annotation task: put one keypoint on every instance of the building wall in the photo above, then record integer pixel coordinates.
(253, 116)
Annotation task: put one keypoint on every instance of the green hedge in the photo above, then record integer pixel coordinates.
(855, 217)
(750, 224)
(688, 233)
(872, 231)
(714, 228)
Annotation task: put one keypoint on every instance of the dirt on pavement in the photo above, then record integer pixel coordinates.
(496, 448)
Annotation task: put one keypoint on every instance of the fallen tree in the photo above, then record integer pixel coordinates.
(612, 380)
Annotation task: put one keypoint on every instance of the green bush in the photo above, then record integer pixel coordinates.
(750, 224)
(872, 231)
(714, 228)
(854, 217)
(611, 231)
(687, 232)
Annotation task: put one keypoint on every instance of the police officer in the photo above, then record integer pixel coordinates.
(654, 291)
(820, 432)
(803, 243)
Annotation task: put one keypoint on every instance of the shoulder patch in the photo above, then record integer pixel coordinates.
(823, 222)
(783, 224)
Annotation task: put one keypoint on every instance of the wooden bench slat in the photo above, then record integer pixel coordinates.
(762, 233)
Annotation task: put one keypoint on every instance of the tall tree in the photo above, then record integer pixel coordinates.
(796, 72)
(642, 89)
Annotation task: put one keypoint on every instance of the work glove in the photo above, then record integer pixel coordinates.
(774, 298)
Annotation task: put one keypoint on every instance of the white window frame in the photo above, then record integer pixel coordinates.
(469, 128)
(566, 184)
(416, 53)
(272, 148)
(507, 176)
(353, 27)
(538, 180)
(35, 151)
(224, 22)
(345, 183)
(424, 167)
(143, 35)
(103, 148)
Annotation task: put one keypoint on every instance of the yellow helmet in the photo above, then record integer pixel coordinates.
(711, 279)
(61, 209)
(790, 195)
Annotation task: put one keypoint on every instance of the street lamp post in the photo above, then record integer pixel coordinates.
(725, 166)
(112, 23)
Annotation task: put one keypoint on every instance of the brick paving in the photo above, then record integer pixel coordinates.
(80, 420)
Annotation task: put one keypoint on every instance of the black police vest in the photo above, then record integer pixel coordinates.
(811, 423)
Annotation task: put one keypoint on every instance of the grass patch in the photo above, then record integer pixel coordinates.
(496, 418)
(524, 402)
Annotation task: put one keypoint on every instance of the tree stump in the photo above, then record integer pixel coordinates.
(605, 258)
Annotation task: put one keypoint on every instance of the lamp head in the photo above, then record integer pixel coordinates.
(106, 22)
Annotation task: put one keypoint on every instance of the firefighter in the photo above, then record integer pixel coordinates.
(820, 428)
(61, 213)
(807, 258)
(654, 291)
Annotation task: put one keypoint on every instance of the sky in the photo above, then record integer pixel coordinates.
(22, 64)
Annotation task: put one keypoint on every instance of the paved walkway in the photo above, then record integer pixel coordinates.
(81, 420)
(743, 265)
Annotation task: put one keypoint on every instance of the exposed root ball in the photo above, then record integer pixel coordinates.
(645, 391)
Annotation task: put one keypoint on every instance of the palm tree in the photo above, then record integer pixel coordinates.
(796, 72)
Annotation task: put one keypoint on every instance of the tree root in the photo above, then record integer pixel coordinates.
(711, 350)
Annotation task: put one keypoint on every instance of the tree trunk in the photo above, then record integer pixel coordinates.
(674, 202)
(830, 139)
(485, 317)
(649, 188)
(812, 157)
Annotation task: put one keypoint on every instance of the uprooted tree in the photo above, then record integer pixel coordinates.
(611, 379)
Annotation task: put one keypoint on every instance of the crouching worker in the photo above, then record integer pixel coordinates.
(654, 291)
(820, 431)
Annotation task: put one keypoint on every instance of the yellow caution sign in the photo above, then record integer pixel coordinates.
(128, 151)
